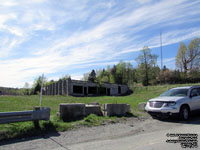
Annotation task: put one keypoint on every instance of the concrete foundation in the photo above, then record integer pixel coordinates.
(116, 109)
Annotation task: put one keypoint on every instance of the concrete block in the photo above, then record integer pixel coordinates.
(116, 109)
(93, 109)
(94, 103)
(141, 106)
(71, 111)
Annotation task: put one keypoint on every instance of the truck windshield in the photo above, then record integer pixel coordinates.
(176, 92)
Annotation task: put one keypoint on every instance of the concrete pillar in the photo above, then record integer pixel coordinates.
(51, 89)
(87, 90)
(58, 84)
(62, 87)
(66, 87)
(57, 88)
(47, 90)
(44, 91)
(69, 85)
(54, 88)
(97, 92)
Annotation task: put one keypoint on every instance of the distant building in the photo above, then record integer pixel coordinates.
(84, 88)
(8, 91)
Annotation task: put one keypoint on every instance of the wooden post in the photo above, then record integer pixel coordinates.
(36, 122)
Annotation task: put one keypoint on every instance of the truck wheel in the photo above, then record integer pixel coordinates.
(184, 113)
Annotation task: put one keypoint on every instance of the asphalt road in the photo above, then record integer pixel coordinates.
(133, 134)
(146, 141)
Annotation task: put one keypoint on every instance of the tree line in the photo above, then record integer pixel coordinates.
(148, 72)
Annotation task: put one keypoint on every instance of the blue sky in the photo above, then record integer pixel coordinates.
(75, 36)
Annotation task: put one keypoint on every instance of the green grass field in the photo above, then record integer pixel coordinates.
(20, 103)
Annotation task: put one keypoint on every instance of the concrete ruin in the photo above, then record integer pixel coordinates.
(83, 88)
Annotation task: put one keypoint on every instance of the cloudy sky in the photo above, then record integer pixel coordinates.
(59, 37)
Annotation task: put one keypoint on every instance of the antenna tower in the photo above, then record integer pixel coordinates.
(161, 57)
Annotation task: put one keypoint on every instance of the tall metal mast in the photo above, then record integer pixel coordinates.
(161, 57)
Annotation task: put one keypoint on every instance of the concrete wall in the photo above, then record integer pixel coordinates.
(124, 89)
(113, 89)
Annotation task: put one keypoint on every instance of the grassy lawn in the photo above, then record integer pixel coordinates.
(20, 103)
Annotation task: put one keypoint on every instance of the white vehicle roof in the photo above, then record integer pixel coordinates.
(186, 87)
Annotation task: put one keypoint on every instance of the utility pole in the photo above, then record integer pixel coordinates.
(161, 57)
(42, 78)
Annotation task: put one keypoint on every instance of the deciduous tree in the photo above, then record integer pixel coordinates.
(188, 59)
(146, 61)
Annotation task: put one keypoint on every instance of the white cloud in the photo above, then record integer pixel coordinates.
(5, 17)
(8, 3)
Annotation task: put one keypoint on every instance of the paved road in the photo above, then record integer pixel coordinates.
(146, 141)
(132, 135)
